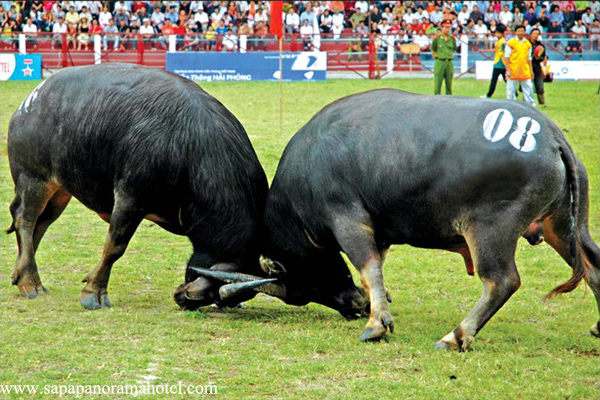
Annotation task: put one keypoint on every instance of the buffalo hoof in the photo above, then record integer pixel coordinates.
(94, 301)
(376, 329)
(595, 331)
(449, 342)
(29, 286)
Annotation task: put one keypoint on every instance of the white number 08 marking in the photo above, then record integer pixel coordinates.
(499, 122)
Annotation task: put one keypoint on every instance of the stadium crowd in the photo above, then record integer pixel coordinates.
(222, 22)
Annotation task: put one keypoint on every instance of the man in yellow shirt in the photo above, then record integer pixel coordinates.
(519, 71)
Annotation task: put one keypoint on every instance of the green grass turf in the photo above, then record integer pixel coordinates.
(530, 349)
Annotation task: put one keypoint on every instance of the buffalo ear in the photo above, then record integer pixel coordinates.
(272, 267)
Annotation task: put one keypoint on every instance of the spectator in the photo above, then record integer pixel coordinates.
(363, 31)
(306, 33)
(211, 37)
(422, 40)
(436, 16)
(476, 15)
(587, 18)
(557, 16)
(420, 14)
(147, 30)
(260, 34)
(363, 6)
(71, 35)
(58, 12)
(595, 35)
(518, 17)
(111, 33)
(30, 30)
(481, 30)
(230, 41)
(531, 16)
(408, 17)
(579, 28)
(172, 15)
(490, 15)
(506, 17)
(95, 29)
(543, 16)
(72, 16)
(58, 29)
(94, 7)
(83, 37)
(158, 19)
(387, 14)
(292, 21)
(307, 15)
(337, 23)
(121, 15)
(221, 28)
(105, 17)
(463, 16)
(574, 46)
(569, 17)
(326, 22)
(201, 17)
(85, 13)
(357, 18)
(48, 21)
(123, 33)
(375, 15)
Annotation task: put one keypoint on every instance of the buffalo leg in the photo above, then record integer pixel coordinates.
(29, 204)
(493, 252)
(124, 220)
(357, 241)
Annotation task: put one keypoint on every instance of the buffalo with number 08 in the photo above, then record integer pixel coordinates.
(465, 175)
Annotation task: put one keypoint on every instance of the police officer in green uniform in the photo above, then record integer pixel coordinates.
(442, 49)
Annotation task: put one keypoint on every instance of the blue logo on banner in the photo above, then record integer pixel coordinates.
(213, 67)
(19, 67)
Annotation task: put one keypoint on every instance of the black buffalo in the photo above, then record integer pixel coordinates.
(388, 167)
(132, 143)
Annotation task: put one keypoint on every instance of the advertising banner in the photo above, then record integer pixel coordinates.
(20, 67)
(562, 70)
(259, 66)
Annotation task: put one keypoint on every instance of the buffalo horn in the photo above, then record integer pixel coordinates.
(230, 290)
(229, 277)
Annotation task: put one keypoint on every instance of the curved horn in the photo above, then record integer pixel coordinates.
(231, 289)
(265, 286)
(229, 277)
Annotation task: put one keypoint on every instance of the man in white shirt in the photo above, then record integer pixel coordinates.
(337, 23)
(306, 32)
(506, 16)
(292, 21)
(481, 30)
(579, 28)
(463, 16)
(408, 16)
(229, 41)
(201, 17)
(362, 5)
(157, 18)
(436, 16)
(30, 30)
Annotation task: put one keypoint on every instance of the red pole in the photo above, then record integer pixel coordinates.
(140, 49)
(64, 50)
(372, 56)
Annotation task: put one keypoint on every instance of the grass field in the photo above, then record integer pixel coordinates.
(530, 349)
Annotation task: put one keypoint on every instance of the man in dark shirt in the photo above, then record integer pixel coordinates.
(476, 15)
